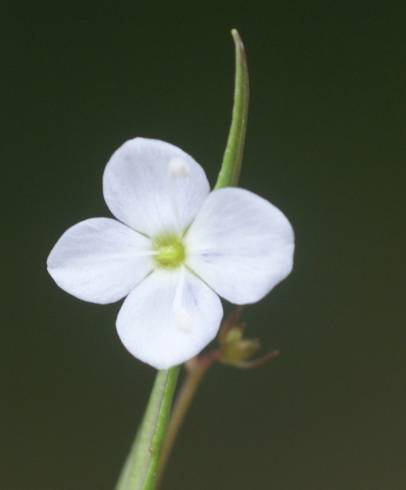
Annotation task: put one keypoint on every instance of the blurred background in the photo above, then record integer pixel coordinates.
(326, 144)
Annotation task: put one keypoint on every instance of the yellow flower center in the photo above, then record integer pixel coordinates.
(169, 251)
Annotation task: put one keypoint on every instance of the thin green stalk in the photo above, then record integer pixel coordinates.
(232, 160)
(140, 469)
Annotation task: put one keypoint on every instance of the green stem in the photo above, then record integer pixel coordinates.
(140, 469)
(232, 160)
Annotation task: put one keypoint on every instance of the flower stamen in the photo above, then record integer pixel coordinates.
(169, 251)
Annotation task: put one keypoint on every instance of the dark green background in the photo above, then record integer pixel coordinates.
(326, 144)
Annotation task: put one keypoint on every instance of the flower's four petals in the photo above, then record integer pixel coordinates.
(154, 186)
(240, 244)
(169, 318)
(100, 260)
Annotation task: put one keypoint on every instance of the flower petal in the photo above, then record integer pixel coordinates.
(153, 186)
(169, 318)
(100, 260)
(240, 244)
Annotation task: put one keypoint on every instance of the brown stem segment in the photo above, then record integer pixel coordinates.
(195, 370)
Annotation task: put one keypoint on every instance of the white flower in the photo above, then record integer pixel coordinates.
(175, 249)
